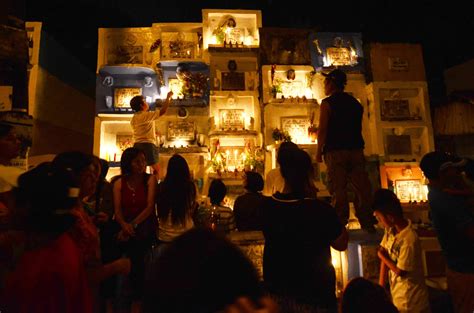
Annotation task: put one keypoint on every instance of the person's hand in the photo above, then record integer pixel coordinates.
(101, 218)
(122, 236)
(123, 266)
(128, 229)
(169, 95)
(245, 305)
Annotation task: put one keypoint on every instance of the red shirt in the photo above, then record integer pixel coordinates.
(134, 201)
(49, 279)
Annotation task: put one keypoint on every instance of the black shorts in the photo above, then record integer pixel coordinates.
(150, 150)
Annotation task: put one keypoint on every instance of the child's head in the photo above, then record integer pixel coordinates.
(217, 191)
(387, 207)
(138, 103)
(253, 182)
(364, 296)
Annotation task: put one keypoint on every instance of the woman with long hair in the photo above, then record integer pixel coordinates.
(134, 206)
(176, 200)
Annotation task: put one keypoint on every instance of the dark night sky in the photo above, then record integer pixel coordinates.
(444, 28)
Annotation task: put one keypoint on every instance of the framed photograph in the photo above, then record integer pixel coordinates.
(296, 126)
(408, 189)
(122, 96)
(395, 110)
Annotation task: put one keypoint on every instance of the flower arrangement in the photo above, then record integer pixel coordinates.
(279, 135)
(194, 85)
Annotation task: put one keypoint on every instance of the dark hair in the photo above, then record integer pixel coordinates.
(217, 191)
(200, 272)
(386, 202)
(126, 160)
(75, 161)
(297, 170)
(104, 168)
(136, 103)
(254, 181)
(284, 150)
(363, 296)
(178, 192)
(44, 197)
(5, 129)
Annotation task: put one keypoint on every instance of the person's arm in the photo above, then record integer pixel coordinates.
(126, 227)
(385, 258)
(383, 274)
(323, 129)
(166, 104)
(151, 194)
(340, 244)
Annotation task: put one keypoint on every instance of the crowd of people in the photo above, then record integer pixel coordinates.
(71, 241)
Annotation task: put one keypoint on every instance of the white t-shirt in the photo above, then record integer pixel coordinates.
(167, 231)
(273, 182)
(143, 126)
(409, 293)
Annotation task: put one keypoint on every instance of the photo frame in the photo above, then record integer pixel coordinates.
(395, 110)
(122, 96)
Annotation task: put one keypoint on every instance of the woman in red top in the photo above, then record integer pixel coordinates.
(134, 205)
(50, 275)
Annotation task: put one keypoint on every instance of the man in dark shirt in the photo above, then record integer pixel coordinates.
(454, 225)
(340, 141)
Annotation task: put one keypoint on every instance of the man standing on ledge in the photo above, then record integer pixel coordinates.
(340, 141)
(143, 127)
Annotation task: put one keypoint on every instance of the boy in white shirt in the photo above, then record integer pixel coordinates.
(400, 255)
(143, 127)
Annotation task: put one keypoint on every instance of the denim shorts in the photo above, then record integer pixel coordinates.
(150, 150)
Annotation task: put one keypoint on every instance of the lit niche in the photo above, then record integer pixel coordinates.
(231, 28)
(290, 84)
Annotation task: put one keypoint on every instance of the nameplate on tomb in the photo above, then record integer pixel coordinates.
(338, 56)
(181, 130)
(231, 119)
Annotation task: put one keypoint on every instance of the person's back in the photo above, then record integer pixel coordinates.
(176, 200)
(297, 258)
(345, 123)
(247, 211)
(49, 279)
(248, 207)
(449, 213)
(50, 274)
(223, 214)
